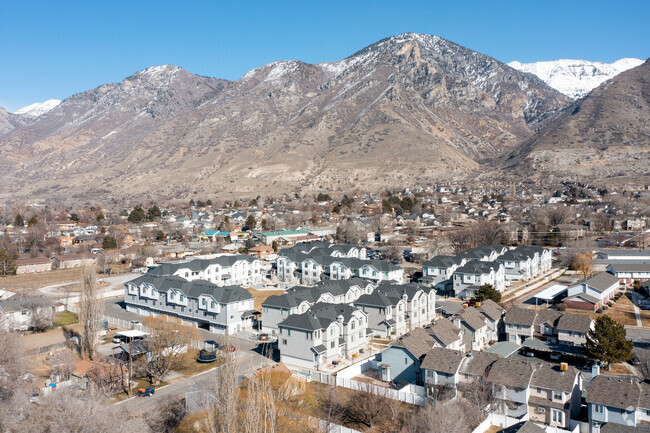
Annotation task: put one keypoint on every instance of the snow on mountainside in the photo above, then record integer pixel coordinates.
(38, 108)
(575, 78)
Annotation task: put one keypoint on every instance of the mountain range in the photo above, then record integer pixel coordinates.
(576, 78)
(406, 110)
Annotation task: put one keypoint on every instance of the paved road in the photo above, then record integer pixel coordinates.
(640, 336)
(174, 391)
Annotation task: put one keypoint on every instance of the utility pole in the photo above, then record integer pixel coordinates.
(130, 355)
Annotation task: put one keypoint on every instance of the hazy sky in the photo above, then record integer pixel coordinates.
(53, 49)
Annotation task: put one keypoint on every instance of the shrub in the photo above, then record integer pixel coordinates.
(561, 307)
(600, 310)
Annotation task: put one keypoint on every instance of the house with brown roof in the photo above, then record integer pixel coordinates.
(555, 395)
(26, 266)
(402, 360)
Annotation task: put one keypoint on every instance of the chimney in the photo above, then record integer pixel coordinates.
(340, 319)
(456, 322)
(595, 369)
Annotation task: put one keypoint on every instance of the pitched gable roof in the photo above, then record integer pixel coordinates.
(443, 360)
(417, 341)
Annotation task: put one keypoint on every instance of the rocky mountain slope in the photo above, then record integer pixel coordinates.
(605, 136)
(406, 109)
(576, 78)
(38, 108)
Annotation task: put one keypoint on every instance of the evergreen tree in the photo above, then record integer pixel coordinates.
(153, 213)
(250, 223)
(160, 236)
(74, 217)
(607, 342)
(32, 221)
(137, 215)
(386, 206)
(7, 263)
(109, 243)
(487, 291)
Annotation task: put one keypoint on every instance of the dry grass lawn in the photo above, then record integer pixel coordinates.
(618, 369)
(261, 295)
(29, 282)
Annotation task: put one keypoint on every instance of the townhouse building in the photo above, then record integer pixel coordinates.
(440, 269)
(386, 315)
(474, 327)
(446, 334)
(519, 324)
(440, 368)
(401, 361)
(628, 273)
(226, 270)
(299, 299)
(322, 334)
(493, 313)
(555, 395)
(617, 404)
(510, 381)
(220, 309)
(467, 279)
(592, 293)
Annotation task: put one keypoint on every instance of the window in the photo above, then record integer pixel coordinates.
(332, 345)
(557, 416)
(331, 331)
(284, 341)
(406, 361)
(557, 395)
(182, 309)
(213, 304)
(352, 325)
(24, 312)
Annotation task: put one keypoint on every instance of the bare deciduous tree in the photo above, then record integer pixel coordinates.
(222, 416)
(583, 262)
(69, 411)
(11, 370)
(167, 341)
(40, 316)
(91, 313)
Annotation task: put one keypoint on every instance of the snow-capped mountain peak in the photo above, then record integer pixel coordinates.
(38, 108)
(575, 78)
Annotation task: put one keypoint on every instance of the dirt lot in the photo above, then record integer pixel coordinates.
(42, 339)
(26, 283)
(261, 295)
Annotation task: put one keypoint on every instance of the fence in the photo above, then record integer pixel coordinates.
(411, 396)
(39, 350)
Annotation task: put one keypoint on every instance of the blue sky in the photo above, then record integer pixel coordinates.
(53, 49)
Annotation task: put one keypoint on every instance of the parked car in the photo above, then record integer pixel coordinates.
(117, 340)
